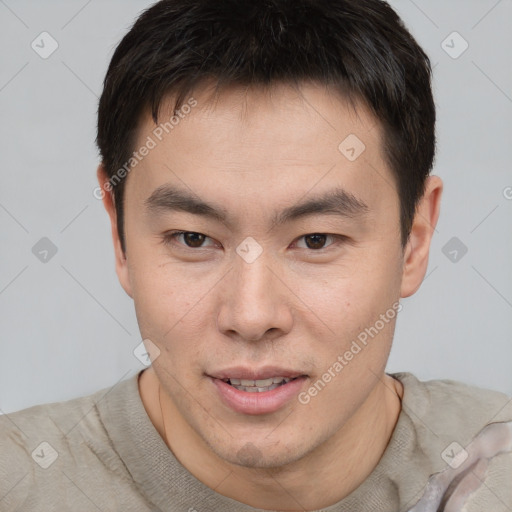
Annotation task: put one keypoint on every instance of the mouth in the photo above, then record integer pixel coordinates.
(258, 386)
(254, 392)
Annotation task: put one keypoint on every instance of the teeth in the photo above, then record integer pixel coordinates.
(261, 383)
(264, 383)
(255, 389)
(258, 386)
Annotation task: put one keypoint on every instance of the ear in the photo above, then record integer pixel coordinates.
(417, 249)
(108, 202)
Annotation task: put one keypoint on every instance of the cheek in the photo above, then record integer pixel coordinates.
(169, 302)
(352, 300)
(349, 311)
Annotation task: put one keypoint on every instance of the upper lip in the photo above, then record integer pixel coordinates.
(244, 372)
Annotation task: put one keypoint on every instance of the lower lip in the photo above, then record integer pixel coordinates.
(263, 402)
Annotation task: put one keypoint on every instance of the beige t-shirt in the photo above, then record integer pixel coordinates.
(101, 452)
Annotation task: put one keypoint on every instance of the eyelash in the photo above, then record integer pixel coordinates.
(169, 239)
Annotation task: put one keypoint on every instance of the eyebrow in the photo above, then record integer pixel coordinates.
(337, 201)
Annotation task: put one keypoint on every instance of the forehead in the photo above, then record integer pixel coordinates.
(252, 114)
(275, 141)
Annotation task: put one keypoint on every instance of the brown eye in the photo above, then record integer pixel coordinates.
(193, 239)
(315, 240)
(188, 240)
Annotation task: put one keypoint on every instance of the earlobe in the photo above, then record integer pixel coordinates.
(120, 257)
(417, 250)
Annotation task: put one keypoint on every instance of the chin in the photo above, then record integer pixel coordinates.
(262, 454)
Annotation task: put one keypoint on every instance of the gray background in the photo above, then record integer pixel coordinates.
(67, 327)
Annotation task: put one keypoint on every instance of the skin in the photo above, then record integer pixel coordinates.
(254, 152)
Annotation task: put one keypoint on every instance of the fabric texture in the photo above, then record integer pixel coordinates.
(101, 452)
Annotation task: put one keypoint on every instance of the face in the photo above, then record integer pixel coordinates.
(257, 249)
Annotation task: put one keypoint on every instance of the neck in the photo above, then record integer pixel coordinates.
(337, 467)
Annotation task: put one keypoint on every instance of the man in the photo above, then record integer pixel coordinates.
(266, 170)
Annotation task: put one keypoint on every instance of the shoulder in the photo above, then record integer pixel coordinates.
(452, 407)
(457, 426)
(20, 431)
(47, 450)
(23, 431)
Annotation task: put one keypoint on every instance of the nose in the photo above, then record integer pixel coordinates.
(255, 303)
